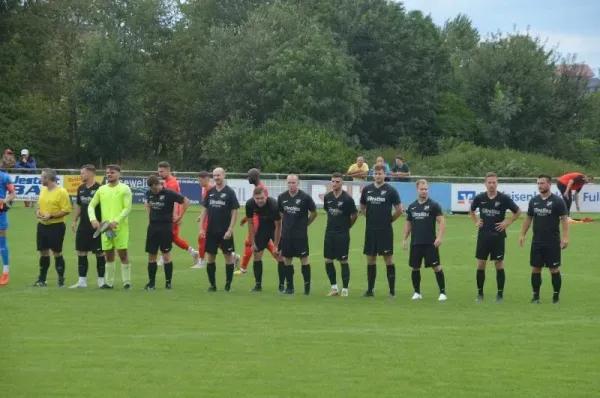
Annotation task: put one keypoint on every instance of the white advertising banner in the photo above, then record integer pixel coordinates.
(463, 195)
(28, 186)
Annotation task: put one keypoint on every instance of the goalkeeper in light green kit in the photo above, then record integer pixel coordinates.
(115, 201)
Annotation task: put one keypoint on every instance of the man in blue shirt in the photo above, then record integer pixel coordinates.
(26, 162)
(7, 194)
(384, 164)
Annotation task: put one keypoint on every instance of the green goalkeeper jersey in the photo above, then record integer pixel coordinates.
(115, 204)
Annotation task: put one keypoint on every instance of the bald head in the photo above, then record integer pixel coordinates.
(219, 177)
(292, 182)
(254, 176)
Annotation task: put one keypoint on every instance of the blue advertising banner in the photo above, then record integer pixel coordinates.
(440, 192)
(138, 188)
(191, 190)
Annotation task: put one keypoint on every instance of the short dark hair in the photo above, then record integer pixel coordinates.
(164, 165)
(203, 174)
(89, 167)
(337, 175)
(399, 157)
(546, 176)
(254, 173)
(378, 167)
(490, 174)
(258, 191)
(113, 167)
(152, 180)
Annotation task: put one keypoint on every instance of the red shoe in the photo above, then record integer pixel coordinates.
(4, 279)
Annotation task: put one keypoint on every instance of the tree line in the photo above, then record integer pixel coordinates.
(283, 85)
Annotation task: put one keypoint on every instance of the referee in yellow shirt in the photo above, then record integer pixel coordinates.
(52, 207)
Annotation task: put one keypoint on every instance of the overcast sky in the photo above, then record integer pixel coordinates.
(573, 25)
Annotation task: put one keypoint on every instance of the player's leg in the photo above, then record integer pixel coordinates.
(415, 260)
(482, 254)
(287, 254)
(246, 257)
(4, 248)
(202, 247)
(211, 246)
(432, 260)
(152, 246)
(370, 251)
(257, 267)
(166, 245)
(122, 246)
(553, 262)
(82, 269)
(497, 253)
(108, 246)
(303, 250)
(43, 247)
(281, 269)
(536, 261)
(329, 253)
(228, 249)
(386, 249)
(57, 238)
(343, 248)
(183, 244)
(100, 267)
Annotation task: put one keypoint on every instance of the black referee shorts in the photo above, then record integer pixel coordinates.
(545, 255)
(85, 241)
(428, 254)
(379, 242)
(336, 246)
(216, 240)
(159, 237)
(51, 237)
(490, 247)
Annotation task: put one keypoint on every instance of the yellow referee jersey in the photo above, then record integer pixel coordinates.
(53, 201)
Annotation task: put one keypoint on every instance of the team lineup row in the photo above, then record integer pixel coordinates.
(281, 226)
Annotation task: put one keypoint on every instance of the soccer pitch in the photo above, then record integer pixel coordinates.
(184, 342)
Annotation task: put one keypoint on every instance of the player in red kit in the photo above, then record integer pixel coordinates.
(170, 182)
(204, 181)
(254, 179)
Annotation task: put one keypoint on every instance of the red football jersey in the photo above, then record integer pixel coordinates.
(172, 184)
(205, 191)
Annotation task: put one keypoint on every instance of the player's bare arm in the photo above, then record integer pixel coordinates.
(184, 206)
(91, 211)
(311, 218)
(397, 212)
(363, 210)
(564, 241)
(476, 220)
(526, 225)
(147, 206)
(229, 232)
(244, 221)
(501, 226)
(277, 235)
(441, 220)
(576, 199)
(569, 187)
(201, 223)
(251, 233)
(76, 215)
(406, 234)
(353, 218)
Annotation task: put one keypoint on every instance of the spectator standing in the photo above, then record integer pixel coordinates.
(359, 170)
(400, 171)
(386, 166)
(26, 162)
(8, 160)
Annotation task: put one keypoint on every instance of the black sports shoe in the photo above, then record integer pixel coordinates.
(392, 296)
(290, 291)
(39, 284)
(227, 287)
(369, 293)
(555, 299)
(127, 286)
(212, 289)
(479, 298)
(535, 300)
(499, 298)
(281, 289)
(61, 282)
(168, 286)
(105, 286)
(256, 288)
(150, 286)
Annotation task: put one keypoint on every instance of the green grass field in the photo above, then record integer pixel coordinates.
(184, 342)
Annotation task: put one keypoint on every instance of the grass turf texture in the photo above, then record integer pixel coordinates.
(74, 343)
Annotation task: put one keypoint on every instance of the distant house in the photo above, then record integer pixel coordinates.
(582, 70)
